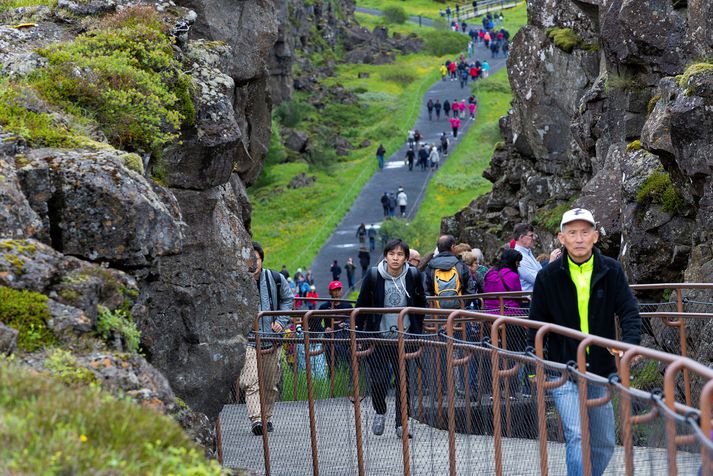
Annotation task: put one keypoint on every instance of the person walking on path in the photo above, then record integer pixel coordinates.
(336, 271)
(392, 204)
(446, 108)
(385, 204)
(410, 155)
(444, 72)
(275, 295)
(422, 157)
(584, 290)
(444, 144)
(462, 108)
(437, 107)
(364, 260)
(371, 233)
(361, 234)
(393, 284)
(380, 152)
(433, 157)
(486, 68)
(350, 268)
(429, 106)
(402, 199)
(455, 125)
(471, 109)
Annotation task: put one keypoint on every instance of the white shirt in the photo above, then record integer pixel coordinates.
(528, 269)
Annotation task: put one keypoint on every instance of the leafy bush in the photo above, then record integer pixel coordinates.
(658, 189)
(444, 42)
(123, 75)
(118, 323)
(12, 4)
(28, 313)
(550, 219)
(394, 14)
(82, 430)
(291, 113)
(564, 38)
(65, 368)
(276, 152)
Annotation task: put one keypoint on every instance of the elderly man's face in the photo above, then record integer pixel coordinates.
(578, 237)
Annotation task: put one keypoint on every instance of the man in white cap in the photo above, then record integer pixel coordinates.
(583, 290)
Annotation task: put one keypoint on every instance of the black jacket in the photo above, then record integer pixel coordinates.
(372, 295)
(554, 300)
(446, 260)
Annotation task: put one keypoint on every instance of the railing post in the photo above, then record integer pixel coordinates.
(497, 418)
(669, 389)
(583, 385)
(403, 385)
(451, 395)
(541, 409)
(261, 393)
(310, 394)
(357, 401)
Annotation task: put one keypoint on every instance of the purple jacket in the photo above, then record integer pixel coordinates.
(493, 283)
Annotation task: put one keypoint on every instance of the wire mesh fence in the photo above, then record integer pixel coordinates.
(468, 398)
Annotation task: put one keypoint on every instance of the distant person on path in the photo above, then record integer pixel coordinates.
(455, 125)
(429, 106)
(372, 237)
(275, 295)
(364, 260)
(486, 69)
(380, 152)
(448, 13)
(422, 157)
(455, 106)
(392, 204)
(361, 234)
(462, 108)
(452, 70)
(444, 144)
(342, 353)
(402, 200)
(434, 158)
(311, 296)
(393, 284)
(463, 78)
(437, 107)
(525, 237)
(385, 204)
(336, 271)
(411, 138)
(410, 156)
(471, 109)
(446, 108)
(350, 267)
(417, 136)
(584, 290)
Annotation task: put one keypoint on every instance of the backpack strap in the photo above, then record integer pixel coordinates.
(278, 284)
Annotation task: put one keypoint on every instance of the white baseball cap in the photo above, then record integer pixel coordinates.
(576, 214)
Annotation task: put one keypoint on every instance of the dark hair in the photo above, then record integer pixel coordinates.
(397, 243)
(445, 243)
(509, 259)
(260, 251)
(522, 229)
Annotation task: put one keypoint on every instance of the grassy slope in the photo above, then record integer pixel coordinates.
(425, 8)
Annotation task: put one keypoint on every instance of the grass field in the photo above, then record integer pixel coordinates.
(429, 9)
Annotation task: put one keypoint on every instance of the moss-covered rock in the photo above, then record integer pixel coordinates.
(658, 189)
(27, 312)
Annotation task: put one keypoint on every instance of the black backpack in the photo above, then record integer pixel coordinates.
(278, 282)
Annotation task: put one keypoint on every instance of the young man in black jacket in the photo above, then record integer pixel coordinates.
(392, 283)
(583, 290)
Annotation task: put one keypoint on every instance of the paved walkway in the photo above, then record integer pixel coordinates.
(291, 454)
(343, 243)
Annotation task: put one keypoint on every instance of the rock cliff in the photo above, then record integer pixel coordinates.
(169, 214)
(612, 110)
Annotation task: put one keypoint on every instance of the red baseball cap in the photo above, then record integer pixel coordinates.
(335, 285)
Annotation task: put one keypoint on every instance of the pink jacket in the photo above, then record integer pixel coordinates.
(471, 107)
(492, 283)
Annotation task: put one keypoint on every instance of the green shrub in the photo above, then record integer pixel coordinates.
(276, 152)
(130, 81)
(658, 189)
(65, 368)
(119, 321)
(564, 38)
(83, 430)
(394, 14)
(291, 113)
(12, 4)
(401, 76)
(28, 313)
(652, 103)
(444, 42)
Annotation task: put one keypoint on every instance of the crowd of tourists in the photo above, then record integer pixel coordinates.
(574, 285)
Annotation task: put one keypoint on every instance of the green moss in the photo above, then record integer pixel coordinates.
(132, 84)
(633, 146)
(12, 4)
(27, 312)
(692, 70)
(133, 162)
(658, 189)
(63, 365)
(652, 103)
(84, 430)
(647, 377)
(550, 218)
(118, 322)
(444, 42)
(565, 38)
(500, 145)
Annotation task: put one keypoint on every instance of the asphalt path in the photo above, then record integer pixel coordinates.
(367, 208)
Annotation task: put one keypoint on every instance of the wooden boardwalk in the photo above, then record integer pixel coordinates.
(290, 449)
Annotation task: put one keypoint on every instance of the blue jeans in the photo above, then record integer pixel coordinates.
(381, 161)
(601, 428)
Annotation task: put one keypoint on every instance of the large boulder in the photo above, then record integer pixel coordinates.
(101, 210)
(202, 302)
(17, 218)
